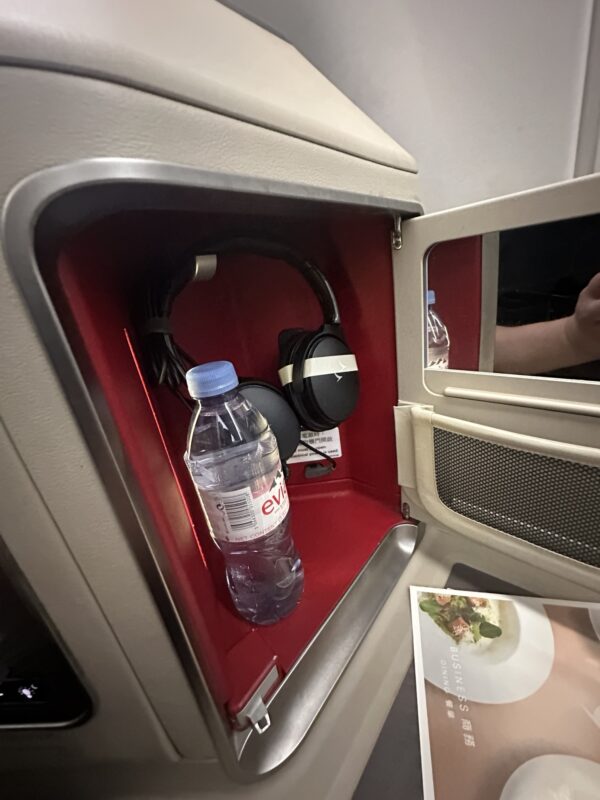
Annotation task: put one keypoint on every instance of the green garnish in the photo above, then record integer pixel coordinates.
(430, 606)
(489, 630)
(458, 617)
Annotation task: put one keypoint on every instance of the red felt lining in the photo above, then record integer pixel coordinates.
(338, 520)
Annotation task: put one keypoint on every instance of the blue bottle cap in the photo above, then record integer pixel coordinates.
(430, 297)
(209, 380)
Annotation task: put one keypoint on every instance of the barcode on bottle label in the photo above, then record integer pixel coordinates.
(240, 516)
(327, 442)
(239, 510)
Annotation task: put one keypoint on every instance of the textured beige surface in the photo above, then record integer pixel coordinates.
(55, 516)
(428, 506)
(56, 119)
(124, 725)
(199, 52)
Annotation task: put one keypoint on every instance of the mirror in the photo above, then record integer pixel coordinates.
(522, 301)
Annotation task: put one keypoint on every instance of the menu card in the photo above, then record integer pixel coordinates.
(508, 692)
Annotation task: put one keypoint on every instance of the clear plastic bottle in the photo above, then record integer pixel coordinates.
(438, 341)
(233, 458)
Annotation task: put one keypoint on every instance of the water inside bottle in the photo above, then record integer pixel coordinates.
(234, 462)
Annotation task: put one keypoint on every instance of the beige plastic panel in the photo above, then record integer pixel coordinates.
(331, 760)
(124, 725)
(77, 534)
(201, 53)
(546, 407)
(84, 118)
(58, 523)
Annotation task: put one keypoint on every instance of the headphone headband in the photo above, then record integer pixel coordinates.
(166, 360)
(261, 247)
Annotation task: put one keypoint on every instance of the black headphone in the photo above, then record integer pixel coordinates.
(317, 370)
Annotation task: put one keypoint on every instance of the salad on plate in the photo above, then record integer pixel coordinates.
(465, 619)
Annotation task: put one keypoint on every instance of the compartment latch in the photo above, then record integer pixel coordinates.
(255, 711)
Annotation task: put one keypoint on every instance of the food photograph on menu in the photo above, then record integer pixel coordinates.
(508, 692)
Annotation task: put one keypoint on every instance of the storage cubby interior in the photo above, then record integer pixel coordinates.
(96, 279)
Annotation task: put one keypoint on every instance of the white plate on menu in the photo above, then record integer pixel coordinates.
(504, 670)
(554, 777)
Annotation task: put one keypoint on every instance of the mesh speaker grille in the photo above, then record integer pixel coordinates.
(544, 500)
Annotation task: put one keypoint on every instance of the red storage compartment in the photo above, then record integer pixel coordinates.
(96, 282)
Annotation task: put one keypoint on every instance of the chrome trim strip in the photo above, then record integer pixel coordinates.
(34, 194)
(317, 671)
(245, 755)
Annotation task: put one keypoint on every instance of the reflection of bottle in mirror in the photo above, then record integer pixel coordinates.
(438, 341)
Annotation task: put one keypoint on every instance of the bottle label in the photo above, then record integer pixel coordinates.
(240, 516)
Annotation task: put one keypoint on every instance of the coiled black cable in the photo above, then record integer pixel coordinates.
(165, 360)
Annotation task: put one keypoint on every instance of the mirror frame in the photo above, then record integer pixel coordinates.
(486, 396)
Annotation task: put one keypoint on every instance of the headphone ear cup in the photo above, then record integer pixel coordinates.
(271, 403)
(322, 400)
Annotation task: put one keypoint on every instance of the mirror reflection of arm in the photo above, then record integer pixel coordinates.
(546, 346)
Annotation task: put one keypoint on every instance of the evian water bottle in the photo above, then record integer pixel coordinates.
(233, 459)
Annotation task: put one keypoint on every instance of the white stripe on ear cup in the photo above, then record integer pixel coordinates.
(321, 365)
